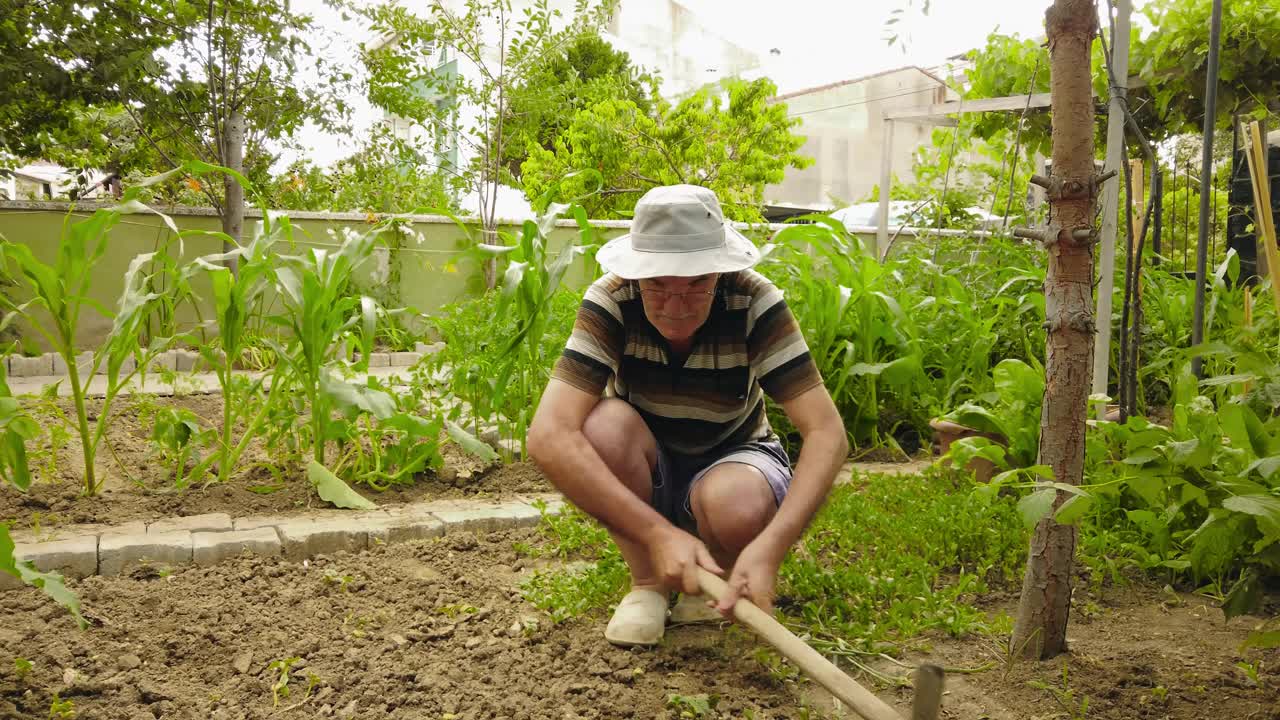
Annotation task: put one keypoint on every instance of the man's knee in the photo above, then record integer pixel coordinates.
(732, 504)
(624, 442)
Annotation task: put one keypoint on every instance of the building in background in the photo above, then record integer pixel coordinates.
(843, 124)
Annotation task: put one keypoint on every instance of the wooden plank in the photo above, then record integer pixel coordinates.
(1256, 153)
(1012, 102)
(1009, 102)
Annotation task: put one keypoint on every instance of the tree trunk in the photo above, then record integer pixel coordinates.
(233, 206)
(1041, 625)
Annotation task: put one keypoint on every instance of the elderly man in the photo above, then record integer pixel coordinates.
(654, 420)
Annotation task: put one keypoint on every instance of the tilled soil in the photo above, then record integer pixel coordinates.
(421, 630)
(438, 630)
(138, 486)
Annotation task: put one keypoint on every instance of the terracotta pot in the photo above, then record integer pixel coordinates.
(946, 432)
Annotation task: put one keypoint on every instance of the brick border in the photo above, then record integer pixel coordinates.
(83, 550)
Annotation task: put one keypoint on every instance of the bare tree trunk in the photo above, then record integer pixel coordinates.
(1040, 628)
(233, 207)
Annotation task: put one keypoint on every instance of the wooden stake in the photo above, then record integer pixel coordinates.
(1248, 323)
(1265, 224)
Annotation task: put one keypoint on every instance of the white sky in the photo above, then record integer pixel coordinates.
(820, 41)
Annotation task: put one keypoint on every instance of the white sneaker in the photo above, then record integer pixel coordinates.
(639, 619)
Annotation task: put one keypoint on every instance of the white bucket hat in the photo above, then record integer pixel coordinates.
(678, 230)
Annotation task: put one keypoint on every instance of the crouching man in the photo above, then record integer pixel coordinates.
(654, 419)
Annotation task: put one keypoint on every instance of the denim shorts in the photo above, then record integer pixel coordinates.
(676, 475)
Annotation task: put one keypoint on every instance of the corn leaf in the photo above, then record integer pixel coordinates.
(332, 489)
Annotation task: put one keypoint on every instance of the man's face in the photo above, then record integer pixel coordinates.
(678, 306)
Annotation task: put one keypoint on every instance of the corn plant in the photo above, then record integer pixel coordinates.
(61, 291)
(50, 583)
(318, 315)
(16, 428)
(236, 295)
(531, 284)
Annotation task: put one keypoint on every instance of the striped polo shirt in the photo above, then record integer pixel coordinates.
(749, 346)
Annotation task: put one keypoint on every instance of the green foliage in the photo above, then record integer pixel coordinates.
(280, 686)
(58, 295)
(48, 582)
(16, 429)
(565, 594)
(735, 145)
(387, 175)
(60, 709)
(900, 342)
(177, 433)
(416, 77)
(583, 72)
(506, 343)
(1013, 415)
(1173, 60)
(852, 596)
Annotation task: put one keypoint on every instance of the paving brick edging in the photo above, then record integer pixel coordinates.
(83, 550)
(52, 364)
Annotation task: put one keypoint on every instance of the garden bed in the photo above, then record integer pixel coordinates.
(138, 486)
(437, 629)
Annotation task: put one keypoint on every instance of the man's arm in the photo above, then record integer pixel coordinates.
(561, 450)
(823, 454)
(557, 444)
(825, 449)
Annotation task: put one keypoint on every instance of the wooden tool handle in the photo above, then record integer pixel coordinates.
(858, 698)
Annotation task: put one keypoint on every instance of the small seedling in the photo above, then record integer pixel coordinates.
(22, 667)
(331, 577)
(1159, 694)
(1064, 696)
(1251, 671)
(61, 709)
(280, 688)
(692, 707)
(453, 611)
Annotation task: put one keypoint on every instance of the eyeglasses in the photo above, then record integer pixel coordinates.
(688, 298)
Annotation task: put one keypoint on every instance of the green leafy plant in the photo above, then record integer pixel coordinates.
(61, 292)
(280, 686)
(693, 707)
(1064, 696)
(1012, 412)
(48, 582)
(22, 667)
(237, 300)
(16, 429)
(177, 433)
(60, 709)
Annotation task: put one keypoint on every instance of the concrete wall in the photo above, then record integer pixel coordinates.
(424, 272)
(844, 127)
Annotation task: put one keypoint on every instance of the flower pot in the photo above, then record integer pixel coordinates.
(946, 432)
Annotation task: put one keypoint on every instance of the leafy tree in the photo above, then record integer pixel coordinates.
(386, 175)
(144, 85)
(614, 151)
(1170, 60)
(583, 73)
(489, 52)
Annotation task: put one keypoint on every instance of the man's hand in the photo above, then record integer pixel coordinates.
(676, 556)
(754, 575)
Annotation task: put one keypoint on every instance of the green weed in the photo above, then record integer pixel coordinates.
(280, 686)
(22, 667)
(693, 707)
(60, 709)
(1064, 696)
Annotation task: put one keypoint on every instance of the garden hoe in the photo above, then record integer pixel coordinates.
(928, 680)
